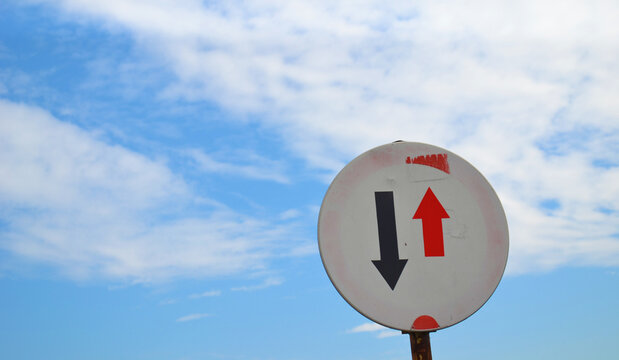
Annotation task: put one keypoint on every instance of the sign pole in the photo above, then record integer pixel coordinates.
(420, 345)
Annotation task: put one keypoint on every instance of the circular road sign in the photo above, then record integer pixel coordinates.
(413, 236)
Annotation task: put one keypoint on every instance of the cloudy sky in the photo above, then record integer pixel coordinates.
(162, 165)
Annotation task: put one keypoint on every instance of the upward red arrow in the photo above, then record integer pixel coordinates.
(431, 213)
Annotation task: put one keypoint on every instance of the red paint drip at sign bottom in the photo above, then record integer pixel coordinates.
(425, 322)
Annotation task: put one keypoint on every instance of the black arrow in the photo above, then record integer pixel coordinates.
(390, 265)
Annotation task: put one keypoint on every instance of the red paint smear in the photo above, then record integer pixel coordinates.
(425, 322)
(437, 161)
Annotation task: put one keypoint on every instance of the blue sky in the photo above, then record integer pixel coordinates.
(163, 163)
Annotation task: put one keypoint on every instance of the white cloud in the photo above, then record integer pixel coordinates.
(49, 163)
(97, 210)
(382, 332)
(209, 293)
(245, 164)
(524, 90)
(290, 214)
(168, 302)
(388, 333)
(367, 327)
(192, 317)
(267, 283)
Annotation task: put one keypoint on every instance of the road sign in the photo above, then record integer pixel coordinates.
(413, 236)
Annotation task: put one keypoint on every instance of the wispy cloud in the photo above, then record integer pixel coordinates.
(529, 100)
(267, 283)
(97, 210)
(381, 331)
(290, 214)
(210, 293)
(168, 302)
(367, 327)
(192, 317)
(245, 164)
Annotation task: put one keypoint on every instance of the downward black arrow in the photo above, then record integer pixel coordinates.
(390, 265)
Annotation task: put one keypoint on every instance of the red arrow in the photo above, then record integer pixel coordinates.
(431, 213)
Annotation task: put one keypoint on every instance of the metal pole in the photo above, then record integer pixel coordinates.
(420, 345)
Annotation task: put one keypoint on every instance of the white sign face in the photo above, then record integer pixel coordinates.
(413, 236)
